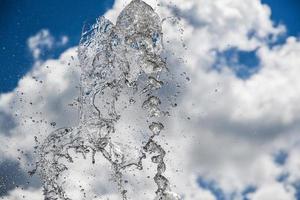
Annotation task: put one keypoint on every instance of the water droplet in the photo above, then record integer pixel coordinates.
(156, 127)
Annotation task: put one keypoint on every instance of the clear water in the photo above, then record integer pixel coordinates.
(121, 74)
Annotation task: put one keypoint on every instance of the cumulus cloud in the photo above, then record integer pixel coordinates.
(235, 124)
(44, 41)
(225, 130)
(45, 95)
(28, 194)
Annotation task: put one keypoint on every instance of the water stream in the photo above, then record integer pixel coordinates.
(121, 75)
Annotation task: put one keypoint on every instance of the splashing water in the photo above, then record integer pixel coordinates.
(121, 67)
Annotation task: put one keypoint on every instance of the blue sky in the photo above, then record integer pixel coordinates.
(21, 19)
(286, 12)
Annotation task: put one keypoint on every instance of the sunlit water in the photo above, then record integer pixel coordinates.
(121, 75)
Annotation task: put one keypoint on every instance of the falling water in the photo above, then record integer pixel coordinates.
(121, 68)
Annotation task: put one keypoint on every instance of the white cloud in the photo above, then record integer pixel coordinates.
(43, 96)
(28, 194)
(236, 125)
(43, 40)
(273, 191)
